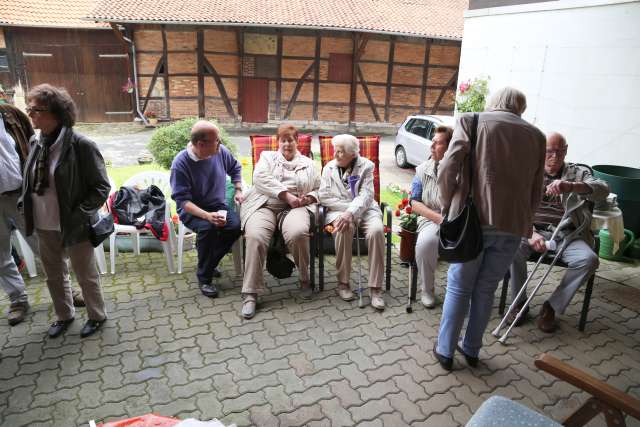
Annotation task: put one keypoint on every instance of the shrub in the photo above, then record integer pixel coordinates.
(472, 95)
(168, 141)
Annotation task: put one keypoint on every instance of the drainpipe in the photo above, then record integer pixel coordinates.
(135, 80)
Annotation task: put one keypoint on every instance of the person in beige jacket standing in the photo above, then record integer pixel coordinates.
(285, 183)
(507, 188)
(345, 213)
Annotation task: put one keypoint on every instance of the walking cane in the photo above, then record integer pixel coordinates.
(572, 205)
(353, 180)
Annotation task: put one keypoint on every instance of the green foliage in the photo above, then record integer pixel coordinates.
(167, 141)
(472, 95)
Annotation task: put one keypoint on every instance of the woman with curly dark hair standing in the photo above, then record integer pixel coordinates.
(65, 182)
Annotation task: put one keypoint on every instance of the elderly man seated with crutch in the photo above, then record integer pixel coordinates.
(560, 181)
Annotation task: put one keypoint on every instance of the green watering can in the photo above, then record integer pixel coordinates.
(606, 245)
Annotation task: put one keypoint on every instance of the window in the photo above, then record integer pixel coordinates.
(410, 123)
(340, 67)
(420, 128)
(4, 63)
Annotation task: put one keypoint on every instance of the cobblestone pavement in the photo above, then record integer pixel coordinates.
(167, 349)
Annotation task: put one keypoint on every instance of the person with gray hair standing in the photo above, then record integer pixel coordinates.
(345, 213)
(508, 166)
(64, 184)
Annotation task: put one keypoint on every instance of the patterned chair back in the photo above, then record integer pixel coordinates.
(260, 143)
(369, 148)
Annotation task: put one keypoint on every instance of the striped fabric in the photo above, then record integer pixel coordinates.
(369, 148)
(260, 143)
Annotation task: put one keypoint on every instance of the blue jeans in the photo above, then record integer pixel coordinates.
(212, 242)
(470, 289)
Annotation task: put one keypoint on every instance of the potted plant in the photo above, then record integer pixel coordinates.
(408, 230)
(152, 117)
(472, 95)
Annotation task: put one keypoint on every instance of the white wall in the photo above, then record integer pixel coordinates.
(578, 62)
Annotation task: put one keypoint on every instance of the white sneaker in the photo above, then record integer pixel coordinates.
(377, 301)
(249, 306)
(345, 292)
(428, 299)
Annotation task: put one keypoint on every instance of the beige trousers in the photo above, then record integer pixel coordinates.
(374, 235)
(54, 257)
(257, 235)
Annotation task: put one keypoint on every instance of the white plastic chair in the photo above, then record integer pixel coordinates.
(144, 180)
(25, 252)
(236, 249)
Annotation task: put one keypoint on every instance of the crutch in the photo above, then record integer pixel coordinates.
(572, 205)
(353, 180)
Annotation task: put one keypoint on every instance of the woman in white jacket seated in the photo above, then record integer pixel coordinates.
(345, 213)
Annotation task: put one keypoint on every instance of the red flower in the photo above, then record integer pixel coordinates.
(405, 201)
(408, 209)
(386, 229)
(397, 212)
(400, 206)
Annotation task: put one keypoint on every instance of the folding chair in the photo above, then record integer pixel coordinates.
(369, 148)
(260, 143)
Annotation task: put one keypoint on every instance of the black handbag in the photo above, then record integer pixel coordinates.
(278, 264)
(461, 237)
(100, 227)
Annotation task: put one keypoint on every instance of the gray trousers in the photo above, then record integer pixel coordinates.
(10, 279)
(427, 256)
(580, 258)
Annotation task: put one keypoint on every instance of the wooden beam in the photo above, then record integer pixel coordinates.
(425, 74)
(152, 84)
(368, 94)
(387, 99)
(316, 76)
(240, 44)
(451, 84)
(227, 103)
(296, 90)
(354, 79)
(200, 66)
(279, 79)
(165, 60)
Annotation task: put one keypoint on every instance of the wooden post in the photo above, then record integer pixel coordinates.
(165, 63)
(425, 75)
(279, 78)
(200, 65)
(387, 99)
(240, 43)
(316, 77)
(450, 85)
(354, 80)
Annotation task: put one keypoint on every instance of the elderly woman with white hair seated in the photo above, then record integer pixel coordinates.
(345, 212)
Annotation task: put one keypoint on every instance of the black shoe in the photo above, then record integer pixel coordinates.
(58, 327)
(91, 327)
(445, 362)
(511, 317)
(471, 361)
(209, 290)
(216, 273)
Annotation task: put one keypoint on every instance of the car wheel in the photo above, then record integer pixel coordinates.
(401, 157)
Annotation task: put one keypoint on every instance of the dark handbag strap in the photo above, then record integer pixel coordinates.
(474, 137)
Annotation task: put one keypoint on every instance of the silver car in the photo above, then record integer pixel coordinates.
(413, 140)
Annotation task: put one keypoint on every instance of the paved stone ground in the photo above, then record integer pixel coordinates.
(167, 349)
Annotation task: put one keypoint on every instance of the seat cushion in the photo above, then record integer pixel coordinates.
(369, 148)
(498, 411)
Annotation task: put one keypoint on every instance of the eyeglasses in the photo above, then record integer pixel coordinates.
(559, 152)
(36, 110)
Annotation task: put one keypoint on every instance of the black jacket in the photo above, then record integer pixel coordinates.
(81, 184)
